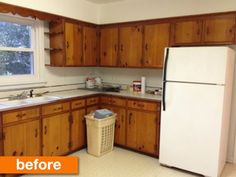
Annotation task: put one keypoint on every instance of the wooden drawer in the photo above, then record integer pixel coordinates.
(106, 99)
(78, 103)
(19, 115)
(113, 101)
(118, 101)
(141, 105)
(92, 101)
(55, 108)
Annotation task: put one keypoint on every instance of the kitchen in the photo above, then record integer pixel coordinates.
(53, 78)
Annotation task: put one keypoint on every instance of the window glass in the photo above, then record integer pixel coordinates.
(15, 35)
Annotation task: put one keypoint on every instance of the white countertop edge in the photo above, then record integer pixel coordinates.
(83, 93)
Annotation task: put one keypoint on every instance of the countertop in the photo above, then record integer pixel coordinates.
(61, 95)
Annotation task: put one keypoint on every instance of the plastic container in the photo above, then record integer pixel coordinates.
(100, 134)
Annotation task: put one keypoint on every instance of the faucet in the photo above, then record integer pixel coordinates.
(31, 93)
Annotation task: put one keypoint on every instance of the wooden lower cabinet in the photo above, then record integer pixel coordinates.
(120, 126)
(78, 129)
(142, 131)
(56, 134)
(22, 139)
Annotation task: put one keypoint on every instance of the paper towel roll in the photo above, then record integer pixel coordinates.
(143, 85)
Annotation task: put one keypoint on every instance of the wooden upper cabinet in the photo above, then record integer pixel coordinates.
(108, 46)
(186, 32)
(156, 38)
(130, 52)
(219, 29)
(90, 46)
(73, 37)
(57, 43)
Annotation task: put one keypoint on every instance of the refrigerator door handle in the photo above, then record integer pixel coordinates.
(164, 79)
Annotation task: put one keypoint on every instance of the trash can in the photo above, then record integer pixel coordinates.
(100, 134)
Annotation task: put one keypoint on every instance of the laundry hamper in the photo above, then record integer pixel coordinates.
(100, 134)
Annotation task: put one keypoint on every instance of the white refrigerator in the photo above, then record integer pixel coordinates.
(196, 104)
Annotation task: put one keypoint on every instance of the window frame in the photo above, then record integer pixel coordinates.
(37, 49)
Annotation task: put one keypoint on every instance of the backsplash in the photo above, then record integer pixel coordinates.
(127, 76)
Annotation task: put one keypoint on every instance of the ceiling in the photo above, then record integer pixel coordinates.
(103, 1)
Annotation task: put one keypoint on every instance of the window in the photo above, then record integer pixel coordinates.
(21, 50)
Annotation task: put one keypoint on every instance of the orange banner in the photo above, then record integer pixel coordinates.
(39, 165)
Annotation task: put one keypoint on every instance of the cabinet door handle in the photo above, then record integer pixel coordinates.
(36, 133)
(21, 154)
(146, 46)
(122, 118)
(67, 45)
(45, 130)
(14, 153)
(130, 117)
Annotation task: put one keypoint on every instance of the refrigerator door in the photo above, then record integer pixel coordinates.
(197, 64)
(191, 127)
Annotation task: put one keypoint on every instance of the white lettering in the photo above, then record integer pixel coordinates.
(19, 165)
(36, 164)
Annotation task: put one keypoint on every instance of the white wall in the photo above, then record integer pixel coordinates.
(78, 9)
(130, 10)
(127, 76)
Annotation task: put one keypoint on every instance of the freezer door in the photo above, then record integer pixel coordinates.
(191, 127)
(198, 64)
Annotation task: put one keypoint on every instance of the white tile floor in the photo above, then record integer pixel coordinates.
(124, 163)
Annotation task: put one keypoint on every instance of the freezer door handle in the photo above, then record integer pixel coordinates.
(164, 79)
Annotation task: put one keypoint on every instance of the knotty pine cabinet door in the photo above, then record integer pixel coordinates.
(147, 123)
(187, 32)
(131, 45)
(56, 135)
(219, 29)
(142, 132)
(22, 139)
(156, 38)
(109, 46)
(78, 129)
(90, 47)
(120, 125)
(73, 39)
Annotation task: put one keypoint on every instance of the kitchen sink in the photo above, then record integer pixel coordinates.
(35, 100)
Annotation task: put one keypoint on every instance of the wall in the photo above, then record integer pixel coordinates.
(78, 9)
(127, 76)
(130, 10)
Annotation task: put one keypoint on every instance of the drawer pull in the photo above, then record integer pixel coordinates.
(140, 105)
(78, 104)
(22, 115)
(21, 154)
(19, 116)
(58, 109)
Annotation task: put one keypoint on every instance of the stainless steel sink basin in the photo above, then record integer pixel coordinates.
(28, 101)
